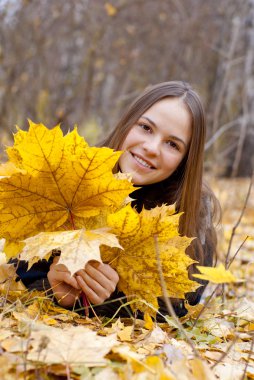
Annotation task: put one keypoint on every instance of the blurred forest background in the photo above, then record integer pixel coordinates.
(82, 61)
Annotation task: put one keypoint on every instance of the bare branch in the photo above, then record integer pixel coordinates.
(222, 130)
(238, 222)
(226, 352)
(241, 245)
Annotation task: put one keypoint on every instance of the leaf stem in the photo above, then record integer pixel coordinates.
(86, 304)
(72, 220)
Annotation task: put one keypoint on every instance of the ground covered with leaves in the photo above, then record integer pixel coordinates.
(39, 340)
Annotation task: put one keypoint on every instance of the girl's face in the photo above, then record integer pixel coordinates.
(157, 143)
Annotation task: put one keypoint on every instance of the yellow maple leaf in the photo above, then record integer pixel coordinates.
(65, 179)
(218, 275)
(137, 265)
(75, 344)
(77, 247)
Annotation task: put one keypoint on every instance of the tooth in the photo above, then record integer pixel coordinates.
(142, 162)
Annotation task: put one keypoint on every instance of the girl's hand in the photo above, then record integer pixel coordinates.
(98, 281)
(64, 286)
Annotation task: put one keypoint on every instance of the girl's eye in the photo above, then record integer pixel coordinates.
(145, 127)
(173, 145)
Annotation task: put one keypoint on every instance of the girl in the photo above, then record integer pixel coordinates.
(162, 135)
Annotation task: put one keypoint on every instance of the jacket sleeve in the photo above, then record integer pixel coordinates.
(34, 278)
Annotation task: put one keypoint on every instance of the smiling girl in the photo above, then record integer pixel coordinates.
(162, 135)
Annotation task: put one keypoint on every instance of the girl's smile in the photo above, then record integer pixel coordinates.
(142, 162)
(157, 143)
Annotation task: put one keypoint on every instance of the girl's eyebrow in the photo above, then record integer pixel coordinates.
(171, 136)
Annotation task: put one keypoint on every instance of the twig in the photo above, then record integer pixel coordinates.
(117, 311)
(241, 245)
(205, 305)
(220, 131)
(238, 222)
(167, 301)
(227, 262)
(248, 359)
(225, 353)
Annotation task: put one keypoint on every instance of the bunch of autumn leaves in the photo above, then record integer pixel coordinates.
(56, 192)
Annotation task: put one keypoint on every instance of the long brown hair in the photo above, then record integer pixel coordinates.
(185, 186)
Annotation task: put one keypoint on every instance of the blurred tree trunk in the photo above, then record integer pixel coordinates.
(231, 141)
(243, 163)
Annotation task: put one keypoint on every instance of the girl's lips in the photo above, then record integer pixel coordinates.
(140, 160)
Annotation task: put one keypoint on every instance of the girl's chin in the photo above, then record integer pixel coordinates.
(141, 182)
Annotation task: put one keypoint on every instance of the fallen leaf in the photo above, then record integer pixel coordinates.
(245, 309)
(15, 344)
(116, 327)
(125, 335)
(218, 275)
(172, 353)
(219, 327)
(228, 371)
(157, 337)
(73, 345)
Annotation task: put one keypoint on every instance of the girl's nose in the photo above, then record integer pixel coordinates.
(152, 146)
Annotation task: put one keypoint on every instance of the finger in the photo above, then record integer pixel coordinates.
(60, 268)
(56, 259)
(90, 293)
(72, 281)
(65, 277)
(105, 269)
(98, 282)
(102, 287)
